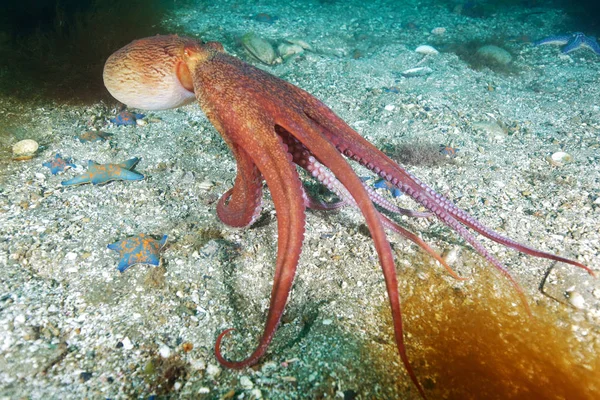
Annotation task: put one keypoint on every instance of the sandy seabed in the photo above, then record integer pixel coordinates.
(72, 326)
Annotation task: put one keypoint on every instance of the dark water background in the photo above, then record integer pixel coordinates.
(56, 48)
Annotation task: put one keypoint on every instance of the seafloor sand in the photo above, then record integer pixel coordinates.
(72, 326)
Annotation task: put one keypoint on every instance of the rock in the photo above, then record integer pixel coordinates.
(494, 54)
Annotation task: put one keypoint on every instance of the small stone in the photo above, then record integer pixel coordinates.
(203, 390)
(439, 31)
(25, 147)
(494, 54)
(390, 107)
(246, 383)
(213, 370)
(164, 351)
(577, 300)
(327, 322)
(85, 376)
(127, 345)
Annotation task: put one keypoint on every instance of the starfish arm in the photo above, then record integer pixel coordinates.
(130, 163)
(78, 180)
(574, 44)
(592, 44)
(162, 241)
(126, 175)
(560, 40)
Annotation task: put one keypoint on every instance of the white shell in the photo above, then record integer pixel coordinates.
(426, 49)
(25, 147)
(559, 159)
(419, 71)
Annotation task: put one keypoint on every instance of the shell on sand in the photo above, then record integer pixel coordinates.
(25, 147)
(426, 49)
(260, 49)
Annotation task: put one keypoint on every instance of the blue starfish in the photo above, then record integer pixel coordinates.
(140, 249)
(58, 164)
(126, 118)
(572, 42)
(102, 173)
(383, 184)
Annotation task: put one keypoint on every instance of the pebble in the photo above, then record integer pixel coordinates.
(577, 300)
(213, 370)
(494, 54)
(438, 31)
(25, 147)
(127, 345)
(164, 351)
(390, 107)
(246, 383)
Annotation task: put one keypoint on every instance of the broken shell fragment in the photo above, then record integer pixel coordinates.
(260, 49)
(559, 159)
(419, 71)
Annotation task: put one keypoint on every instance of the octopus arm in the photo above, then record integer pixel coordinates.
(240, 206)
(269, 154)
(355, 146)
(307, 133)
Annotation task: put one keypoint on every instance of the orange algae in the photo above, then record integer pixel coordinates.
(474, 341)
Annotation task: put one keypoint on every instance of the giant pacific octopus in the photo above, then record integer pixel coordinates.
(272, 127)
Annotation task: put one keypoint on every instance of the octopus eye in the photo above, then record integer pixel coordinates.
(184, 75)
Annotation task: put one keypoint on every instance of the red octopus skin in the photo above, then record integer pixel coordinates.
(271, 126)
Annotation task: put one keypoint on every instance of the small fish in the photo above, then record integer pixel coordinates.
(448, 151)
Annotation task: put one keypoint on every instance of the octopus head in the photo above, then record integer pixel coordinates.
(154, 73)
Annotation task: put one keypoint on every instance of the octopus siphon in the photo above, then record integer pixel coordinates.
(273, 127)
